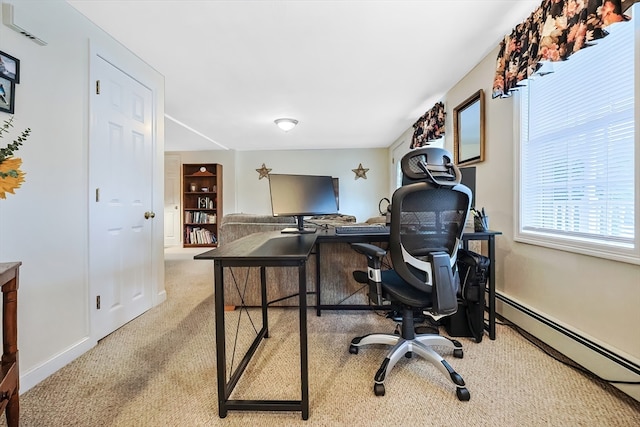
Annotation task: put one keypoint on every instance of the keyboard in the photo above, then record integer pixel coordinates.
(362, 229)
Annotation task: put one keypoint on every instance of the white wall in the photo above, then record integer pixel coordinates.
(358, 197)
(595, 297)
(227, 158)
(243, 191)
(576, 290)
(45, 223)
(399, 148)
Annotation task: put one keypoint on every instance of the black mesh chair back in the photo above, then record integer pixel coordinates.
(427, 220)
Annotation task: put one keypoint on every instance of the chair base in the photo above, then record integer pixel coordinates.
(420, 345)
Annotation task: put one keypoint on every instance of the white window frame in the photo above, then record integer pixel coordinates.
(576, 245)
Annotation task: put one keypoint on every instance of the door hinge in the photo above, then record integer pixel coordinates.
(98, 302)
(97, 87)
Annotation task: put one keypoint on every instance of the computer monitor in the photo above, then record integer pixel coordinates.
(469, 180)
(300, 196)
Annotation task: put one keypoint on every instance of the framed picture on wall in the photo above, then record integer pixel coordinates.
(9, 67)
(7, 95)
(468, 130)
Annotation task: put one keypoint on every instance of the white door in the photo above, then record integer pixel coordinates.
(172, 229)
(120, 198)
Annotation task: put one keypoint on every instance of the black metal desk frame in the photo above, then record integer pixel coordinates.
(490, 237)
(329, 236)
(280, 250)
(260, 250)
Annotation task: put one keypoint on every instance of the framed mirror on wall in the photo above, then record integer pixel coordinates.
(468, 130)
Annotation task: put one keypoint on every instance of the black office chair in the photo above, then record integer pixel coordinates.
(428, 216)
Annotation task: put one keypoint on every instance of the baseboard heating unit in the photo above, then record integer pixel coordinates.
(606, 363)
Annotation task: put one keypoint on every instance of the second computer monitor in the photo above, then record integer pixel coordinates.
(300, 196)
(469, 180)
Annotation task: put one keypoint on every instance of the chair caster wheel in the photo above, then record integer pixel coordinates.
(353, 349)
(378, 389)
(463, 394)
(458, 353)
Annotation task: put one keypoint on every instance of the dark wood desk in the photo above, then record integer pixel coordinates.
(329, 235)
(9, 375)
(272, 249)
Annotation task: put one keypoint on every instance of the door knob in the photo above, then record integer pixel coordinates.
(148, 215)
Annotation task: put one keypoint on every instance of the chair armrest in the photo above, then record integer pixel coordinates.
(444, 284)
(375, 255)
(369, 250)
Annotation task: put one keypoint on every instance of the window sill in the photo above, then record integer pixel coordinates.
(631, 256)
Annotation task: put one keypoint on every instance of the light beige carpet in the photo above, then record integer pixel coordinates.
(159, 370)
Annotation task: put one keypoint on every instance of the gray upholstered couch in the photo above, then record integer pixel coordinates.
(338, 261)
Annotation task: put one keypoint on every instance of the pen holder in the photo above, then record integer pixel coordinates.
(481, 223)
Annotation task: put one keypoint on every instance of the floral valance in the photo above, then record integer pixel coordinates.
(554, 31)
(429, 127)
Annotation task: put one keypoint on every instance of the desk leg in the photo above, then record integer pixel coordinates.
(318, 311)
(221, 356)
(263, 283)
(492, 288)
(491, 241)
(304, 359)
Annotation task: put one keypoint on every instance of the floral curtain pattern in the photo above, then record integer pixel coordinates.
(553, 32)
(429, 127)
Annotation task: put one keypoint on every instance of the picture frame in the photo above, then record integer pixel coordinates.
(7, 95)
(9, 67)
(469, 130)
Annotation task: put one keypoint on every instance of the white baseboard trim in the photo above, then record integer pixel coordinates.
(160, 297)
(39, 373)
(35, 375)
(606, 362)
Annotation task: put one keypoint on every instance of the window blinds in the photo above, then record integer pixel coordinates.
(577, 145)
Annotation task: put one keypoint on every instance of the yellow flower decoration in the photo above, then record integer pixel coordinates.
(10, 182)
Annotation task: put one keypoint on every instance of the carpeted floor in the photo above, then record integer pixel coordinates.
(159, 370)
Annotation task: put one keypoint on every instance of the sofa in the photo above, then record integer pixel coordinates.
(338, 261)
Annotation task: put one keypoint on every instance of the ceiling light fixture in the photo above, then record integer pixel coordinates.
(286, 124)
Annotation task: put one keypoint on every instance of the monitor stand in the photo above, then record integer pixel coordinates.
(300, 228)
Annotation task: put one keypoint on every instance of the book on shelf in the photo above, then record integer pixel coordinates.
(199, 236)
(199, 217)
(206, 203)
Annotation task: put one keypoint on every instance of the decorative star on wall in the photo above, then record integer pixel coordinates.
(360, 172)
(263, 171)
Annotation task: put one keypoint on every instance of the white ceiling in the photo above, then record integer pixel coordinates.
(355, 74)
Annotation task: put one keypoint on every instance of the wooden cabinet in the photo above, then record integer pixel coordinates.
(9, 375)
(201, 204)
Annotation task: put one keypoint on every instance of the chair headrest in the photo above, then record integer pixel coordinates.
(431, 164)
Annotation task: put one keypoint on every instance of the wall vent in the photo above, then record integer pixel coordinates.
(8, 18)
